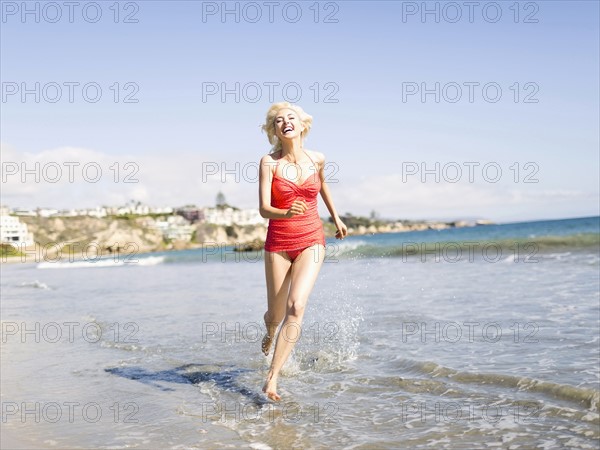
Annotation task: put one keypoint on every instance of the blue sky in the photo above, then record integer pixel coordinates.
(370, 136)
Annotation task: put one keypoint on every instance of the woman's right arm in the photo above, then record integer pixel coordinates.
(265, 178)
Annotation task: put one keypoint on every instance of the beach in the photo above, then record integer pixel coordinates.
(433, 339)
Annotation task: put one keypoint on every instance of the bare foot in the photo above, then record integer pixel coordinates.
(270, 389)
(266, 344)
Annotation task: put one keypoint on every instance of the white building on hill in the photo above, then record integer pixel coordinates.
(174, 228)
(12, 231)
(229, 216)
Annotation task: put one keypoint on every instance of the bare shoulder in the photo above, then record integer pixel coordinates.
(318, 157)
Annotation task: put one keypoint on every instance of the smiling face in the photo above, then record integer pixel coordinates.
(287, 124)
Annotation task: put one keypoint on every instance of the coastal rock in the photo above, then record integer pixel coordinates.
(253, 246)
(92, 235)
(207, 234)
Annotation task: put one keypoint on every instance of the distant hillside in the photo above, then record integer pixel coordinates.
(128, 233)
(133, 234)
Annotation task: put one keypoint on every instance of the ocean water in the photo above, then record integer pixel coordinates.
(483, 337)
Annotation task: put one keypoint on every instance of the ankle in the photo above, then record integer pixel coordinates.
(271, 323)
(271, 376)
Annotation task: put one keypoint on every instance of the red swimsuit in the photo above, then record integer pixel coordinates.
(296, 233)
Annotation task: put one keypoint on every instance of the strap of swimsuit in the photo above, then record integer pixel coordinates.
(277, 165)
(311, 160)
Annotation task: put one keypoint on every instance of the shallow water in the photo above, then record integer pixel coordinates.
(395, 352)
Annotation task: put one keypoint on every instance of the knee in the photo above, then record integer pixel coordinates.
(296, 307)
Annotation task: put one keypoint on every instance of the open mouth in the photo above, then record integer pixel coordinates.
(287, 129)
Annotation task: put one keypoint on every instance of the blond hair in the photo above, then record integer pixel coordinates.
(269, 125)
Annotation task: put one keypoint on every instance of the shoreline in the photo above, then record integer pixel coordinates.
(521, 246)
(92, 238)
(38, 253)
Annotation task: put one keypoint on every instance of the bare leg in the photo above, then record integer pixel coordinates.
(278, 275)
(305, 270)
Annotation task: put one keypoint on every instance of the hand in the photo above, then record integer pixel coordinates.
(341, 231)
(298, 207)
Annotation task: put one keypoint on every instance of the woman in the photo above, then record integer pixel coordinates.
(290, 179)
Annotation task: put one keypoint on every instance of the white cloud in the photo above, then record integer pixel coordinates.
(78, 177)
(175, 179)
(389, 196)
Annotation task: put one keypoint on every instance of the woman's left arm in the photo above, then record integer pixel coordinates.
(341, 229)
